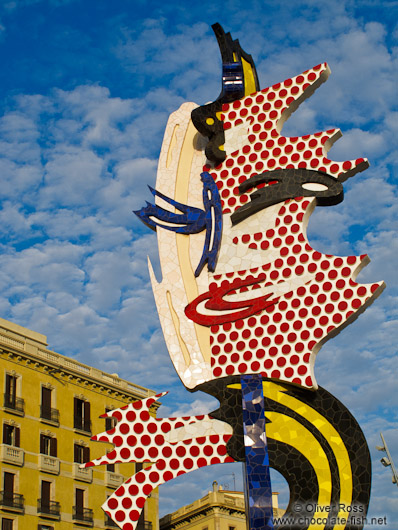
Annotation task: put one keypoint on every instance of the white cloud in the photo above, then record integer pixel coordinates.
(75, 163)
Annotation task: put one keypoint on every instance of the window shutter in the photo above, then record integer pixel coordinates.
(53, 447)
(17, 437)
(87, 415)
(42, 450)
(8, 384)
(8, 485)
(6, 524)
(5, 433)
(86, 454)
(45, 492)
(79, 494)
(75, 409)
(46, 398)
(75, 453)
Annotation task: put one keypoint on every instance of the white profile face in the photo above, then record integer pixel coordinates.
(247, 293)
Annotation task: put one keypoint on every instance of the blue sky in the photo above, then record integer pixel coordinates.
(85, 91)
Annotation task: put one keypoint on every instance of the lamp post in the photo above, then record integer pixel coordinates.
(387, 460)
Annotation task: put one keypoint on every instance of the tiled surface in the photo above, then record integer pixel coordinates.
(190, 220)
(260, 310)
(174, 445)
(257, 474)
(272, 300)
(312, 440)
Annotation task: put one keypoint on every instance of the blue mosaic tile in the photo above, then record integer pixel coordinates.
(257, 476)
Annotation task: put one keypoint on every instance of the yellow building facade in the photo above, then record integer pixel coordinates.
(218, 510)
(50, 409)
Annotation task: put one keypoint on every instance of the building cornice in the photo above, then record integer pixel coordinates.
(28, 347)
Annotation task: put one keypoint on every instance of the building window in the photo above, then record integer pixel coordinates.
(45, 496)
(109, 425)
(81, 453)
(110, 422)
(8, 497)
(48, 445)
(11, 401)
(45, 505)
(46, 410)
(6, 524)
(11, 388)
(11, 435)
(79, 500)
(80, 513)
(82, 415)
(9, 487)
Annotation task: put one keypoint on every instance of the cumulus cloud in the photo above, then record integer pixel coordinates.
(75, 162)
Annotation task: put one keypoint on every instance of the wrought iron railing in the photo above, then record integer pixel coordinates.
(11, 500)
(14, 403)
(83, 514)
(49, 414)
(144, 525)
(48, 507)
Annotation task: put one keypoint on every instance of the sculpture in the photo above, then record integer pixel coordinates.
(245, 305)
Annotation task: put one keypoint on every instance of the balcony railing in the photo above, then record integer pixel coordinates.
(11, 500)
(11, 454)
(113, 480)
(14, 403)
(144, 525)
(85, 474)
(49, 464)
(52, 508)
(83, 515)
(82, 424)
(49, 414)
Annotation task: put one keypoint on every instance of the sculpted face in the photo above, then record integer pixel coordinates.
(242, 291)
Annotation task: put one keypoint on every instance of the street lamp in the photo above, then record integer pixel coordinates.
(387, 460)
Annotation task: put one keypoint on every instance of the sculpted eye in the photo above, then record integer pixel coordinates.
(314, 186)
(276, 186)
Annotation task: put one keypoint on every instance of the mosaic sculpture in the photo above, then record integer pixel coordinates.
(245, 305)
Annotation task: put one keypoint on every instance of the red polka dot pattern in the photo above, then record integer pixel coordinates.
(149, 443)
(266, 149)
(281, 341)
(309, 296)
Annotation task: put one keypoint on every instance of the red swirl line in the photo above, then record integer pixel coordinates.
(216, 302)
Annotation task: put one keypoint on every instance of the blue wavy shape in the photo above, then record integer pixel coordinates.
(191, 220)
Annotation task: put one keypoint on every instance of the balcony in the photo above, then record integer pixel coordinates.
(113, 480)
(83, 516)
(49, 464)
(13, 502)
(82, 424)
(49, 509)
(142, 524)
(14, 404)
(84, 474)
(49, 415)
(12, 455)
